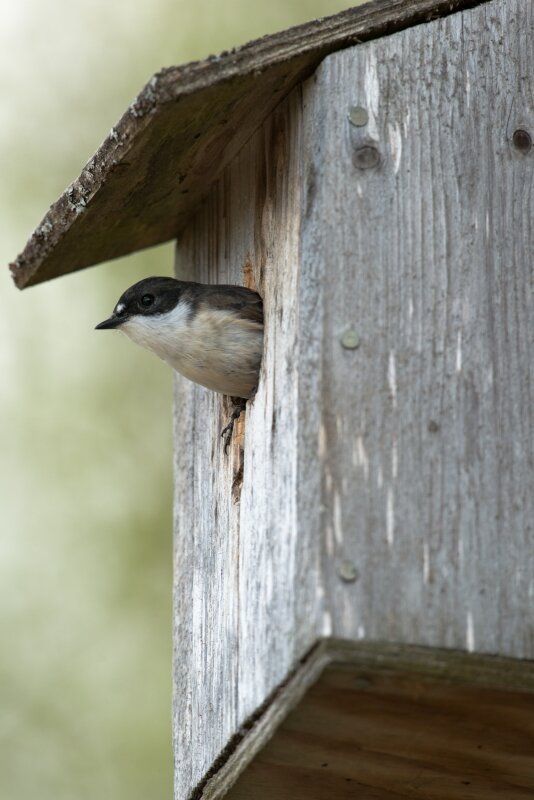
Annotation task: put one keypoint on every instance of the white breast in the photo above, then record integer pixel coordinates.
(213, 347)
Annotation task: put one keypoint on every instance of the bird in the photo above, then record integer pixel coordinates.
(211, 334)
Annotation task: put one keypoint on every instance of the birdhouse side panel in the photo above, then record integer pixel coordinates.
(419, 234)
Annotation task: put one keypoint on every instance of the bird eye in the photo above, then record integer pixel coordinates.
(147, 300)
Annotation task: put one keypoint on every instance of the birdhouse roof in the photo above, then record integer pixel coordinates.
(159, 161)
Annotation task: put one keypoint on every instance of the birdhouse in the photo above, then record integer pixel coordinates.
(354, 579)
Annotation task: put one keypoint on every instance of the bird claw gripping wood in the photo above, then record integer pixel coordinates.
(226, 433)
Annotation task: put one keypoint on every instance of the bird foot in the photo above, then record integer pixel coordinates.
(239, 404)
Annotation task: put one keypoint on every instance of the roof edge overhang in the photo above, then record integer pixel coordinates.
(159, 161)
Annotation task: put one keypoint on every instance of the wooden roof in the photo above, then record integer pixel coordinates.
(161, 158)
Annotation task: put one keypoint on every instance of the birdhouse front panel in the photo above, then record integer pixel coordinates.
(242, 542)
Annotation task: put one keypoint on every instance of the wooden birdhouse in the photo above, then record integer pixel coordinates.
(364, 554)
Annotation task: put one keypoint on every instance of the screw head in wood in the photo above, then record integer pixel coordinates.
(522, 140)
(358, 116)
(347, 571)
(350, 339)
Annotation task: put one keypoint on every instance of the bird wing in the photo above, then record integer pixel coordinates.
(246, 303)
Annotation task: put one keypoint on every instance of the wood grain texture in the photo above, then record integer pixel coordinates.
(427, 439)
(452, 666)
(409, 457)
(240, 624)
(259, 727)
(364, 659)
(379, 732)
(158, 162)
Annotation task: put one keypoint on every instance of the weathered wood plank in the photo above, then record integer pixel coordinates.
(159, 161)
(372, 730)
(386, 491)
(241, 626)
(363, 659)
(452, 666)
(427, 440)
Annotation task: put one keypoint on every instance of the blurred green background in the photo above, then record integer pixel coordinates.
(85, 430)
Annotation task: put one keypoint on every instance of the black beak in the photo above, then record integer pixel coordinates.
(112, 322)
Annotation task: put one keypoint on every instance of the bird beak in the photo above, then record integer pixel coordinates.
(112, 322)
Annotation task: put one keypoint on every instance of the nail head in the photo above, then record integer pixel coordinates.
(347, 571)
(358, 116)
(350, 339)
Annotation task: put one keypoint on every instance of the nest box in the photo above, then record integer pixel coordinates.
(370, 174)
